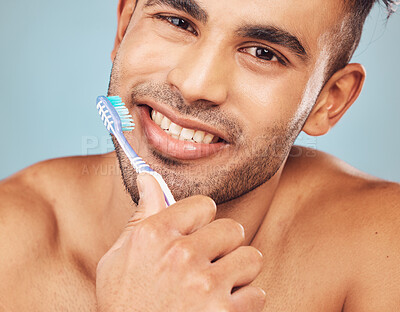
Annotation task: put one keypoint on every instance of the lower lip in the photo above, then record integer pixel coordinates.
(172, 147)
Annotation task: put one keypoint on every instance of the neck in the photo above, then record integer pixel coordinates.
(114, 212)
(249, 209)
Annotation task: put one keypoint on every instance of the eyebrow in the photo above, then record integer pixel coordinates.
(189, 6)
(275, 35)
(267, 33)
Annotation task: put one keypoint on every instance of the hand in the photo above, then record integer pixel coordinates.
(178, 259)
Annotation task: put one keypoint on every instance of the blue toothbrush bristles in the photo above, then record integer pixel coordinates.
(126, 119)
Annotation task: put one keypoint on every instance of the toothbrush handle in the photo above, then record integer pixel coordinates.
(169, 198)
(141, 166)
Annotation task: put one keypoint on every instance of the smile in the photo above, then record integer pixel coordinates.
(175, 139)
(180, 133)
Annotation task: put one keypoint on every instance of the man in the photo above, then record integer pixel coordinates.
(219, 90)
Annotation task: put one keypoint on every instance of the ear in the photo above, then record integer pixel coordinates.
(336, 97)
(124, 13)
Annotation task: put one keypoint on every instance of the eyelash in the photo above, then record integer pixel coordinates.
(167, 18)
(279, 59)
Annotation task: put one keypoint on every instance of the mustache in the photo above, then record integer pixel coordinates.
(202, 110)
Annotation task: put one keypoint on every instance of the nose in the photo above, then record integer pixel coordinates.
(201, 74)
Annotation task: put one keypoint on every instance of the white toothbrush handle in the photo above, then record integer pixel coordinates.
(141, 166)
(169, 198)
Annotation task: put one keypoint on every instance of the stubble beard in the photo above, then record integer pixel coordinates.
(251, 163)
(251, 166)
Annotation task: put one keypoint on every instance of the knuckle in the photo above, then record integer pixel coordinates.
(206, 282)
(181, 251)
(150, 230)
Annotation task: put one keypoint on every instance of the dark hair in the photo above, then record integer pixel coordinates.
(359, 10)
(365, 6)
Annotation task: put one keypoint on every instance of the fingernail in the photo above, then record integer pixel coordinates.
(140, 184)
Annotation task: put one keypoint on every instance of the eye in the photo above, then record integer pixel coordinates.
(178, 22)
(264, 54)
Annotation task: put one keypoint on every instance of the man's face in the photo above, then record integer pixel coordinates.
(247, 72)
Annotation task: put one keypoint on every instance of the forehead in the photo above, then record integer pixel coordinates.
(308, 20)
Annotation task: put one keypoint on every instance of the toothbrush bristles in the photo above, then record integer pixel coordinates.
(126, 119)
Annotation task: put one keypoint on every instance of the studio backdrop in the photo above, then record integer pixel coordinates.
(55, 60)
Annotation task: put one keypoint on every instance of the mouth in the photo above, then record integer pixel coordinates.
(176, 138)
(181, 133)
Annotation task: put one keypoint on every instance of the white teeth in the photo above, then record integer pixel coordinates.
(175, 129)
(183, 134)
(199, 136)
(187, 134)
(208, 138)
(158, 119)
(165, 123)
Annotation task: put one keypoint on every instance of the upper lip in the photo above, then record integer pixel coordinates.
(183, 121)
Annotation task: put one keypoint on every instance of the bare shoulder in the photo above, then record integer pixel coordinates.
(35, 197)
(322, 175)
(37, 205)
(28, 229)
(26, 214)
(342, 231)
(330, 190)
(30, 213)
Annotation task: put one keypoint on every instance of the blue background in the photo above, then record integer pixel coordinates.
(55, 60)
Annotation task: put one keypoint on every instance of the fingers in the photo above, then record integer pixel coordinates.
(249, 298)
(183, 217)
(187, 215)
(218, 238)
(244, 264)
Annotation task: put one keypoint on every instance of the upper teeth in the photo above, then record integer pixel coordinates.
(181, 133)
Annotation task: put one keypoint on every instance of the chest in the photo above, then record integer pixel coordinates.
(57, 286)
(301, 274)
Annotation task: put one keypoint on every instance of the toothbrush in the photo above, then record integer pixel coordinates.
(116, 119)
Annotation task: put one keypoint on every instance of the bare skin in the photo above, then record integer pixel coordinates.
(329, 238)
(328, 233)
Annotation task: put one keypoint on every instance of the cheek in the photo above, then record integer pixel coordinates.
(269, 102)
(144, 54)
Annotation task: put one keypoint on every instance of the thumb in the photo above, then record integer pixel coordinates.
(152, 199)
(151, 202)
